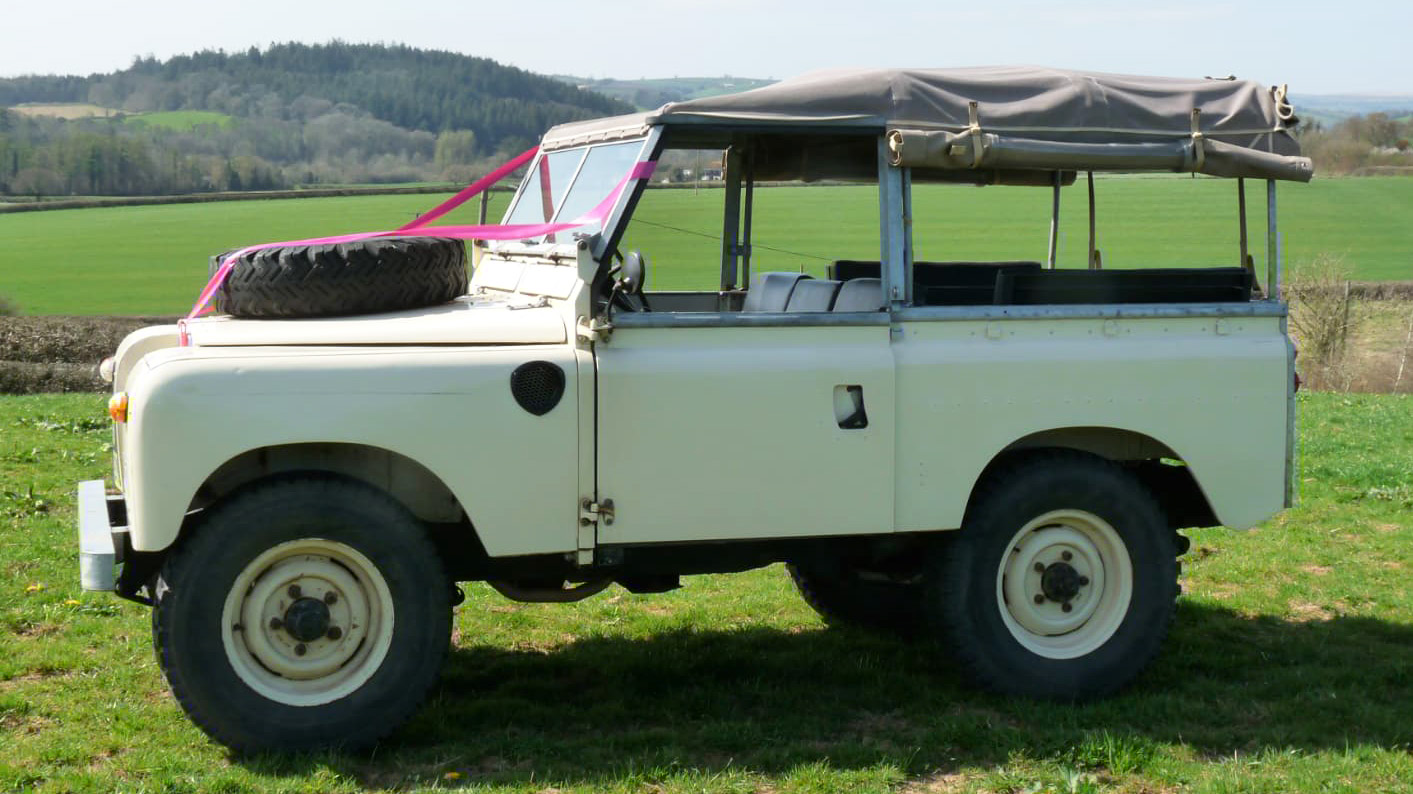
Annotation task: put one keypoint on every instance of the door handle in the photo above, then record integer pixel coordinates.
(849, 410)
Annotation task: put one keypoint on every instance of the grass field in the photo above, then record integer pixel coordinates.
(181, 120)
(152, 260)
(1289, 668)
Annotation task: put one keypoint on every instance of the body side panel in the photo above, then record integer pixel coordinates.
(1211, 389)
(449, 409)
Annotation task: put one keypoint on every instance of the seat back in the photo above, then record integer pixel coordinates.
(1147, 285)
(860, 295)
(770, 292)
(813, 295)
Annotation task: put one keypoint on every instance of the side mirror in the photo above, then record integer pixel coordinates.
(632, 273)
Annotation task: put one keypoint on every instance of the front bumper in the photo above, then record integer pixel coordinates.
(101, 519)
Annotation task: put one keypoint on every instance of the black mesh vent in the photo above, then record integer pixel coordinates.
(537, 386)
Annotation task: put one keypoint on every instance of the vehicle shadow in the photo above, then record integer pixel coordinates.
(766, 700)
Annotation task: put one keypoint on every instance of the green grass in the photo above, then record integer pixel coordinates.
(152, 260)
(1288, 669)
(181, 120)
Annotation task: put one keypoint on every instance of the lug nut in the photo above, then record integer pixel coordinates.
(276, 624)
(1040, 567)
(299, 649)
(1083, 580)
(1039, 598)
(294, 591)
(334, 632)
(1066, 606)
(331, 598)
(1066, 556)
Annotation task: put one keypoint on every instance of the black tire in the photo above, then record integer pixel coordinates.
(1030, 643)
(844, 598)
(378, 275)
(276, 533)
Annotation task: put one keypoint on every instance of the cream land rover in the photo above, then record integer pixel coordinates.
(997, 455)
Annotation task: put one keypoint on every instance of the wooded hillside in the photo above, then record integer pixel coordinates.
(298, 113)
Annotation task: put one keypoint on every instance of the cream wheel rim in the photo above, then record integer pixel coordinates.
(1065, 584)
(307, 622)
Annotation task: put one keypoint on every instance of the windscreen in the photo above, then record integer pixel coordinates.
(564, 185)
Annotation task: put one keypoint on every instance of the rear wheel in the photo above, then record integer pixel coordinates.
(1062, 582)
(303, 614)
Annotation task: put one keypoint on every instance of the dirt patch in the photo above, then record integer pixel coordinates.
(1306, 612)
(1316, 570)
(60, 353)
(940, 783)
(64, 110)
(53, 339)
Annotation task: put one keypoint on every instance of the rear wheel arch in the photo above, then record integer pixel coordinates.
(1155, 463)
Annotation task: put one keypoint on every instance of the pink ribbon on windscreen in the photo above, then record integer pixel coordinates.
(420, 228)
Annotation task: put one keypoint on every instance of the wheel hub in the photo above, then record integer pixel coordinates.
(1065, 583)
(307, 622)
(307, 619)
(1060, 582)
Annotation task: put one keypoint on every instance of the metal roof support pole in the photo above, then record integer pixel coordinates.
(1054, 224)
(1273, 244)
(891, 227)
(1093, 250)
(730, 233)
(1241, 216)
(748, 212)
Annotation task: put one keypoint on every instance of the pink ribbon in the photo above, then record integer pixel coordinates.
(420, 228)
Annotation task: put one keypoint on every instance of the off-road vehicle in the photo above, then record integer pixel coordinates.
(995, 455)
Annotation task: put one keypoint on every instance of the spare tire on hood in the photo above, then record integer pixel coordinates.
(381, 274)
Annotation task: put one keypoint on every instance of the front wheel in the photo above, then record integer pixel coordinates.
(1062, 582)
(303, 614)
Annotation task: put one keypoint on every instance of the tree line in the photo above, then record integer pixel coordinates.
(297, 114)
(1359, 144)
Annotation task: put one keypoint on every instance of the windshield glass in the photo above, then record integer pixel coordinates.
(562, 186)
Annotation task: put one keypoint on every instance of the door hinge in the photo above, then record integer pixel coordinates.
(592, 512)
(593, 330)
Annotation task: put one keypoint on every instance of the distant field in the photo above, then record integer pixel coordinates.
(63, 110)
(181, 120)
(152, 260)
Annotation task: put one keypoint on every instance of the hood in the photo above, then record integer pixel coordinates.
(468, 320)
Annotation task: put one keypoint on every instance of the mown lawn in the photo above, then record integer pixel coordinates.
(1290, 667)
(153, 260)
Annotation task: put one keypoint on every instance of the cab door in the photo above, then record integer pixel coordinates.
(722, 426)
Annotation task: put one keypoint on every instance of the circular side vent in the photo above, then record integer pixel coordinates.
(537, 386)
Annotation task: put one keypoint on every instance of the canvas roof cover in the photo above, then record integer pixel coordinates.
(1011, 117)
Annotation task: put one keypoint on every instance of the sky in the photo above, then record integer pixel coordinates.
(1339, 47)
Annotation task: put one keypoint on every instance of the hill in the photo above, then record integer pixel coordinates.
(415, 89)
(651, 93)
(1330, 108)
(289, 114)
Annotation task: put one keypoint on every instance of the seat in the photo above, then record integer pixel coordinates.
(860, 295)
(770, 292)
(813, 295)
